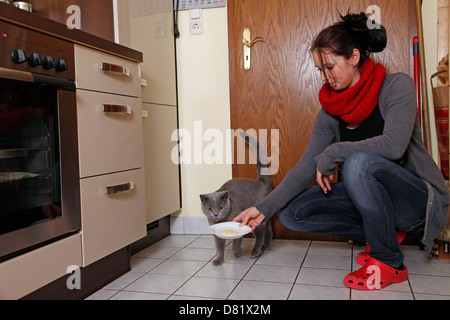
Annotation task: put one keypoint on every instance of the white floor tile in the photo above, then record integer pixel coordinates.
(275, 258)
(195, 254)
(323, 277)
(123, 281)
(205, 242)
(144, 265)
(381, 295)
(207, 287)
(309, 292)
(130, 295)
(330, 248)
(158, 252)
(424, 296)
(290, 246)
(178, 267)
(327, 262)
(258, 290)
(428, 267)
(157, 283)
(280, 274)
(102, 294)
(177, 240)
(245, 257)
(430, 284)
(225, 271)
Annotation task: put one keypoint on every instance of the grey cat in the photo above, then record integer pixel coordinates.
(234, 197)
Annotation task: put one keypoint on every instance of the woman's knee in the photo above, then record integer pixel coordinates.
(356, 165)
(289, 219)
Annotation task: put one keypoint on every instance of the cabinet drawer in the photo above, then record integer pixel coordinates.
(100, 71)
(110, 133)
(111, 222)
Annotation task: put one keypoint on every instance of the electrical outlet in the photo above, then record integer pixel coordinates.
(196, 21)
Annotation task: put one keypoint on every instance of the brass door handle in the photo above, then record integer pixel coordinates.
(248, 42)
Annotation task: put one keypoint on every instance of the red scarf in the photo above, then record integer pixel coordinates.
(357, 103)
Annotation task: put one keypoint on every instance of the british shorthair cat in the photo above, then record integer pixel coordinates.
(234, 197)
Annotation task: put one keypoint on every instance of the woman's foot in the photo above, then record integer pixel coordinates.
(375, 275)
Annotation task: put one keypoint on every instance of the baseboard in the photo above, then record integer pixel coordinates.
(155, 231)
(189, 225)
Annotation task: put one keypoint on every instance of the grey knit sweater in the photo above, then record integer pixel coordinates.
(402, 133)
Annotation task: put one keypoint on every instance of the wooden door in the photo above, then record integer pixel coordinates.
(280, 91)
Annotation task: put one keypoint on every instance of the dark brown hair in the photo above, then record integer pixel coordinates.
(352, 32)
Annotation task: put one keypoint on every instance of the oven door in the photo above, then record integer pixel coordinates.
(39, 172)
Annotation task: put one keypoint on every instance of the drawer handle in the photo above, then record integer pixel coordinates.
(115, 68)
(120, 188)
(114, 108)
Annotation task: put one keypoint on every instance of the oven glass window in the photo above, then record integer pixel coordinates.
(30, 191)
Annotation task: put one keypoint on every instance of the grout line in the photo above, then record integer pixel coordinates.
(242, 278)
(299, 270)
(351, 270)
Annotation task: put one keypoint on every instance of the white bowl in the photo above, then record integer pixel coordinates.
(229, 230)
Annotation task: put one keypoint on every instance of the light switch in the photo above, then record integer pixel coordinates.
(196, 21)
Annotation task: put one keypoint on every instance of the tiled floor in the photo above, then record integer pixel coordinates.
(179, 267)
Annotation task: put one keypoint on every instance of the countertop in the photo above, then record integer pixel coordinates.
(36, 22)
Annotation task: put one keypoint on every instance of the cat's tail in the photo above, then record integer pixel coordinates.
(262, 161)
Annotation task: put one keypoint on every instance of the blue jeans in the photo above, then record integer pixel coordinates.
(375, 198)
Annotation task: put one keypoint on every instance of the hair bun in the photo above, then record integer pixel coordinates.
(372, 39)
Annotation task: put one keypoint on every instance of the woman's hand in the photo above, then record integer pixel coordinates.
(251, 217)
(324, 181)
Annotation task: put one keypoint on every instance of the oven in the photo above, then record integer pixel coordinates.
(39, 170)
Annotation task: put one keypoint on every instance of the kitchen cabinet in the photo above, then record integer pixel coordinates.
(151, 33)
(162, 175)
(110, 138)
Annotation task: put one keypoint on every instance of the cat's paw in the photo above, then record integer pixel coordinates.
(237, 254)
(217, 262)
(256, 253)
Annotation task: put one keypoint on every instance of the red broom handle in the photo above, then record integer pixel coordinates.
(417, 72)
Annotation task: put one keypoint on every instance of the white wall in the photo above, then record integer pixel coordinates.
(203, 84)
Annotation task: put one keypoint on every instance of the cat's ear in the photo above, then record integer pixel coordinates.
(204, 198)
(224, 195)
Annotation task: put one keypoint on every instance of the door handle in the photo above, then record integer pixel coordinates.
(248, 43)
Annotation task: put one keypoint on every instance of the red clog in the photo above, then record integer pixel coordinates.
(364, 256)
(375, 275)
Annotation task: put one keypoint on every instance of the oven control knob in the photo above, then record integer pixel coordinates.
(34, 59)
(48, 62)
(18, 56)
(61, 65)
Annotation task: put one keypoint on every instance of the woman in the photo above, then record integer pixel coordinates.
(388, 184)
